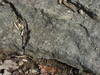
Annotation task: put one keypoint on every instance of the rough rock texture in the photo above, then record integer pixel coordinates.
(56, 32)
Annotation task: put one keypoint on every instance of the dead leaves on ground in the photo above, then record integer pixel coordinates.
(14, 63)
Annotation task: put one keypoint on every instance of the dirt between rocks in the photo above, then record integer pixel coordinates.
(14, 63)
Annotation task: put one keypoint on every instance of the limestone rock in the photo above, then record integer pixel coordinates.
(56, 32)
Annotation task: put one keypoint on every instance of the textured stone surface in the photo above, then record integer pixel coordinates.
(56, 32)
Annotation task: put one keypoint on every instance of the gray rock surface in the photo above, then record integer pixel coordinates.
(56, 32)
